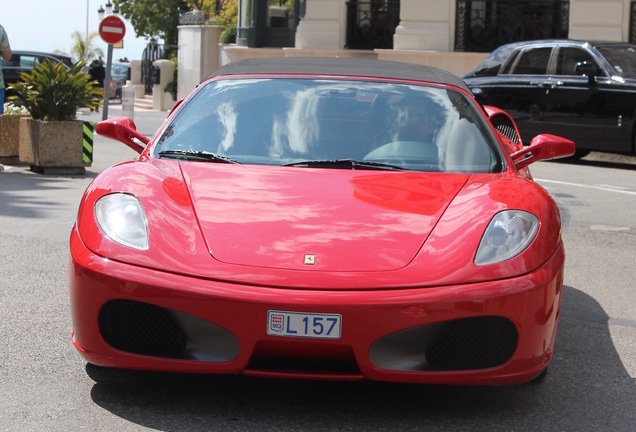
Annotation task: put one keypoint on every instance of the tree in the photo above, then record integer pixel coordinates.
(154, 18)
(83, 49)
(226, 12)
(227, 16)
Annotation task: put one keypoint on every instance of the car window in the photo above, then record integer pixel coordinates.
(532, 61)
(286, 121)
(492, 64)
(29, 61)
(14, 61)
(510, 63)
(621, 57)
(570, 57)
(120, 72)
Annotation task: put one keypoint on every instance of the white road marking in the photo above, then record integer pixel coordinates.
(611, 228)
(606, 188)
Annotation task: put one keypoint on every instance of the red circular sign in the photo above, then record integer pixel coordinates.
(112, 29)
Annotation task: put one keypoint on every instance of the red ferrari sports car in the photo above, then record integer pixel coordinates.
(322, 218)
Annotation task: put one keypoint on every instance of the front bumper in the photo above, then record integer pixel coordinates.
(498, 332)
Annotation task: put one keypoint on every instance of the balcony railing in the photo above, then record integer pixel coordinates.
(632, 23)
(483, 25)
(371, 24)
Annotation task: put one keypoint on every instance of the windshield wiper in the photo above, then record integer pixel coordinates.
(345, 163)
(196, 155)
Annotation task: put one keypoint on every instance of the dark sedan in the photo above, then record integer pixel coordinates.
(25, 61)
(119, 74)
(585, 91)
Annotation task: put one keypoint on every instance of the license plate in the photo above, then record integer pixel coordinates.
(304, 325)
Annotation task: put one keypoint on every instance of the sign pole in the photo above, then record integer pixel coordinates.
(112, 30)
(109, 63)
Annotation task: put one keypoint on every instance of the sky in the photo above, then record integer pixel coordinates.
(47, 25)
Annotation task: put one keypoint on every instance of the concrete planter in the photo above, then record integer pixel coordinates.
(10, 137)
(54, 147)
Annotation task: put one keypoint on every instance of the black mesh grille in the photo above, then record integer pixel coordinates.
(505, 127)
(462, 344)
(509, 132)
(140, 328)
(472, 343)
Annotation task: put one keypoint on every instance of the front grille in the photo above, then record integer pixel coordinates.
(463, 344)
(141, 328)
(303, 357)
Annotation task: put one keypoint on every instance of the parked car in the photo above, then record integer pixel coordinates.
(582, 90)
(322, 218)
(24, 61)
(119, 74)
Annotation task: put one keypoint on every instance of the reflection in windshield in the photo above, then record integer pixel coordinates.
(285, 121)
(299, 127)
(228, 118)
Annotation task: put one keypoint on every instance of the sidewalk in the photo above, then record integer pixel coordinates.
(106, 152)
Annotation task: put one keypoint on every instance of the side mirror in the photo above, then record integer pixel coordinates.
(124, 130)
(543, 147)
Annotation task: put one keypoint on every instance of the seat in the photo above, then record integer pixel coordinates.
(465, 149)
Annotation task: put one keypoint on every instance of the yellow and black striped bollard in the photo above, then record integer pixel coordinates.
(88, 143)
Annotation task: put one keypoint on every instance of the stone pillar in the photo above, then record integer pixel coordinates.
(323, 26)
(135, 71)
(198, 56)
(161, 99)
(135, 79)
(425, 25)
(596, 20)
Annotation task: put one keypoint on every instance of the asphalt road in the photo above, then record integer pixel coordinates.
(45, 385)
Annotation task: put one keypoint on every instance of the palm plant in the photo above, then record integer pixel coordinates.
(54, 92)
(83, 48)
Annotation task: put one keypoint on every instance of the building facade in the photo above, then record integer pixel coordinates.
(462, 25)
(451, 34)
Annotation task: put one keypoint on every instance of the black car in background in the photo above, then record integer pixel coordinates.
(24, 61)
(581, 90)
(119, 74)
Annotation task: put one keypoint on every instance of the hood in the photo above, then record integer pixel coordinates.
(317, 219)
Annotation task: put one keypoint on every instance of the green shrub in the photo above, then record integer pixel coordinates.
(228, 36)
(54, 92)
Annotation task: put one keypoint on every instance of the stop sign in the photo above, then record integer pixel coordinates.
(112, 29)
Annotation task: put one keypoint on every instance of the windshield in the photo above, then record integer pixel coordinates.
(307, 122)
(120, 72)
(622, 58)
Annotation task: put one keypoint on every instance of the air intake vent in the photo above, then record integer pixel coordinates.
(141, 328)
(463, 344)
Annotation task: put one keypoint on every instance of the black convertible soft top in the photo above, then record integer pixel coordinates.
(339, 66)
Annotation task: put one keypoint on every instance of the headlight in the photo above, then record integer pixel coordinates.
(122, 219)
(508, 234)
